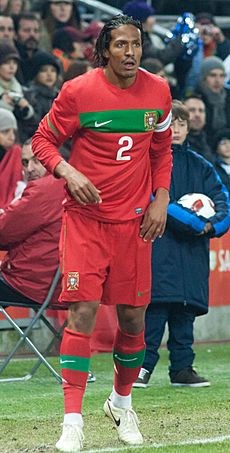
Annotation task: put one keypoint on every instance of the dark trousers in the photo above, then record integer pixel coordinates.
(180, 340)
(9, 294)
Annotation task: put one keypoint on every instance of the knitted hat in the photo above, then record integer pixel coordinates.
(209, 64)
(93, 29)
(74, 33)
(8, 51)
(138, 10)
(7, 120)
(221, 135)
(64, 38)
(42, 58)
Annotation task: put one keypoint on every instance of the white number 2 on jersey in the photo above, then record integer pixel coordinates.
(129, 141)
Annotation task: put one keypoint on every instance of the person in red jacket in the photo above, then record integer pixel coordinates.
(119, 119)
(29, 232)
(11, 177)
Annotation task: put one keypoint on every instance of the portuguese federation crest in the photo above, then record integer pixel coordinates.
(150, 120)
(73, 281)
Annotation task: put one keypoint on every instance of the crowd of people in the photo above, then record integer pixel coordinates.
(107, 135)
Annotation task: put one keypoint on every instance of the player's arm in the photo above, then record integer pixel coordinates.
(80, 187)
(58, 125)
(155, 217)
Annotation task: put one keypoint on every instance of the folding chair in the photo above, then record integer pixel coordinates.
(40, 315)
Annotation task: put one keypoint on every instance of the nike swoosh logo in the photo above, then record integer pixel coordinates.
(102, 124)
(118, 422)
(124, 360)
(66, 361)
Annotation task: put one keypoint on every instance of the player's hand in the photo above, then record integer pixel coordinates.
(154, 221)
(79, 186)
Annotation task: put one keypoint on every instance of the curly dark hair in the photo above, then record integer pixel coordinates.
(104, 37)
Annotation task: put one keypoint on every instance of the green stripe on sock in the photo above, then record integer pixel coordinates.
(75, 363)
(129, 360)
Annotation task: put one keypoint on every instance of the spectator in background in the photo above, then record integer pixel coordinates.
(16, 7)
(27, 27)
(221, 146)
(197, 119)
(11, 93)
(214, 41)
(180, 278)
(215, 96)
(11, 176)
(92, 31)
(69, 45)
(145, 13)
(3, 6)
(7, 31)
(77, 68)
(29, 231)
(45, 70)
(57, 14)
(155, 66)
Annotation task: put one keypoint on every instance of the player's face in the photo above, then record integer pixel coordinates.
(32, 167)
(123, 55)
(179, 131)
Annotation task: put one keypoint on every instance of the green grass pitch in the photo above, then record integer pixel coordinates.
(173, 420)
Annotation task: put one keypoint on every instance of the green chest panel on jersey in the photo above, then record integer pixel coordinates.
(129, 121)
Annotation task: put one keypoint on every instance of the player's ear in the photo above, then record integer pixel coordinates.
(106, 54)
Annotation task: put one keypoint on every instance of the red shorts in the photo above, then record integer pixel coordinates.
(106, 262)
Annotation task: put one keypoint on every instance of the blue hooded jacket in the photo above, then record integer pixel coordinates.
(180, 259)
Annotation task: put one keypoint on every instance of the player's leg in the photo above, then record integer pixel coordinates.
(128, 287)
(156, 317)
(128, 354)
(75, 360)
(82, 290)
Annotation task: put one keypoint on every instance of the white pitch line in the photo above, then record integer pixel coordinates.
(212, 440)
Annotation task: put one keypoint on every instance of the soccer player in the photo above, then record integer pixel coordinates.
(119, 119)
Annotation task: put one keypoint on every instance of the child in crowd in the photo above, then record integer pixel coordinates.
(222, 149)
(45, 70)
(180, 260)
(11, 93)
(11, 177)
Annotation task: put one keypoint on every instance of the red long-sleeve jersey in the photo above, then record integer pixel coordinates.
(121, 140)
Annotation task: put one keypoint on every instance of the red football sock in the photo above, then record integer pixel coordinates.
(128, 356)
(74, 360)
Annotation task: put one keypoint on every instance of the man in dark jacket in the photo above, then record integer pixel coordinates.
(180, 261)
(197, 137)
(215, 96)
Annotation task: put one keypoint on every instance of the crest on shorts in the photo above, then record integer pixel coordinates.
(73, 281)
(150, 120)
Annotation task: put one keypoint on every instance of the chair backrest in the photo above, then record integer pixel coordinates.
(24, 335)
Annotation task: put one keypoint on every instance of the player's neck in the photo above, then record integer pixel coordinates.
(119, 81)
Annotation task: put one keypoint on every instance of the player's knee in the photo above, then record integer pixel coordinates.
(132, 324)
(82, 316)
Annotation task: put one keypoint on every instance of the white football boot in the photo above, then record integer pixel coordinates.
(72, 438)
(126, 423)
